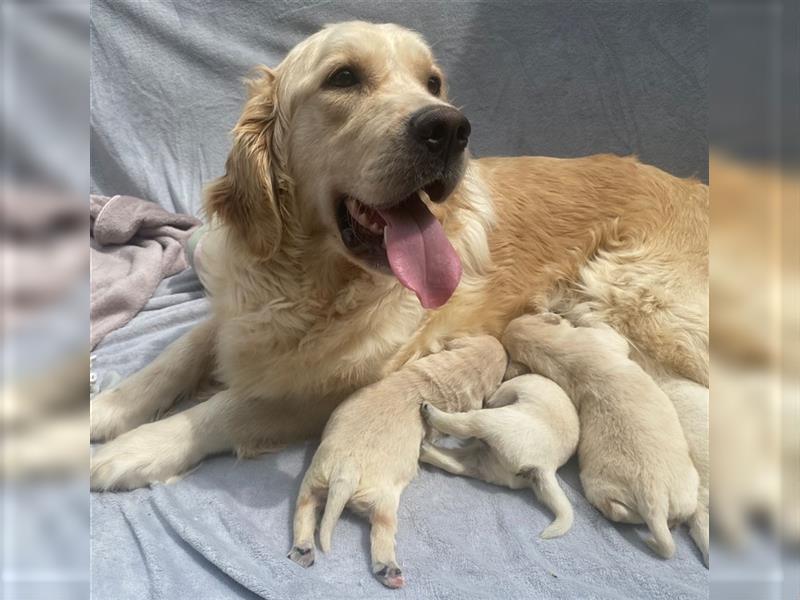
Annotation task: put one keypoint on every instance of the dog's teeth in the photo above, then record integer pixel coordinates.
(365, 221)
(363, 216)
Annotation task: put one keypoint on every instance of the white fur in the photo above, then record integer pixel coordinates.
(528, 430)
(634, 460)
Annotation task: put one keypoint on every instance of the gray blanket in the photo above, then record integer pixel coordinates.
(553, 78)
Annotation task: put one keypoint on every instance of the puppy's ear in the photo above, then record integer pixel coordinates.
(247, 197)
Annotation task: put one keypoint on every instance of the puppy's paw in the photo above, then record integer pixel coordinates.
(425, 408)
(389, 575)
(303, 556)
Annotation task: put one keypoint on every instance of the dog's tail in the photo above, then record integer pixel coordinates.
(698, 530)
(547, 489)
(342, 486)
(655, 517)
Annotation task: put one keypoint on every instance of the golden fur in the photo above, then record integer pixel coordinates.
(297, 325)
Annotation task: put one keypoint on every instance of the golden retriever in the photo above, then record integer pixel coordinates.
(352, 233)
(370, 447)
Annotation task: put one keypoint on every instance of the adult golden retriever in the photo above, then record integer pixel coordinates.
(352, 233)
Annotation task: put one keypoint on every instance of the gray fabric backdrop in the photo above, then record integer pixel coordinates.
(555, 78)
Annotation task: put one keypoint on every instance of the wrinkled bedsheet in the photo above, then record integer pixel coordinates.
(562, 79)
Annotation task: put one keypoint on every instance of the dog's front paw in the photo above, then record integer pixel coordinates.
(152, 453)
(389, 575)
(302, 556)
(112, 413)
(425, 408)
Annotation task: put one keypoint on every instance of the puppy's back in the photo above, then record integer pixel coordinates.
(464, 374)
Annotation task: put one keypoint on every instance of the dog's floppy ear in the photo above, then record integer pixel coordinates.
(247, 197)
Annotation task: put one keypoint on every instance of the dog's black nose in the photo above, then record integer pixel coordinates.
(443, 130)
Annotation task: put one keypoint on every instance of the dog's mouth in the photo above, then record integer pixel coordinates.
(404, 239)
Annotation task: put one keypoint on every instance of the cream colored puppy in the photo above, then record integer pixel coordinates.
(691, 402)
(634, 460)
(370, 447)
(528, 429)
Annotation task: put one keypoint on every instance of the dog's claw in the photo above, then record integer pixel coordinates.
(302, 556)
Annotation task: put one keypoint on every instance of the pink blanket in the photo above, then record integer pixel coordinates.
(134, 245)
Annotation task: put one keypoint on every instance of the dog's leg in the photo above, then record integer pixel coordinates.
(305, 520)
(460, 425)
(383, 519)
(159, 451)
(458, 461)
(141, 397)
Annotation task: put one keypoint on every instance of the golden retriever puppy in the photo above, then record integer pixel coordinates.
(528, 430)
(352, 233)
(691, 403)
(370, 446)
(634, 460)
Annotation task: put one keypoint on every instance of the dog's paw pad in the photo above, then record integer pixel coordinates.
(302, 556)
(391, 577)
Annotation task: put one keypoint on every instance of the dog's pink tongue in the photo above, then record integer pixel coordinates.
(419, 252)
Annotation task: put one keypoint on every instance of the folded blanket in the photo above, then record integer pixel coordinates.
(134, 245)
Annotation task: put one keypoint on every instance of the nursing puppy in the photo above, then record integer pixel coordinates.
(370, 446)
(528, 429)
(634, 460)
(691, 402)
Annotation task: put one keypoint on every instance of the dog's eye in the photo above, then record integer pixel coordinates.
(343, 78)
(434, 85)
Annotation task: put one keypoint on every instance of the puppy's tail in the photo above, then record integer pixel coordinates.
(549, 492)
(661, 542)
(698, 530)
(342, 486)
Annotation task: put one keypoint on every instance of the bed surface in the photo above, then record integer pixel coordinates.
(544, 78)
